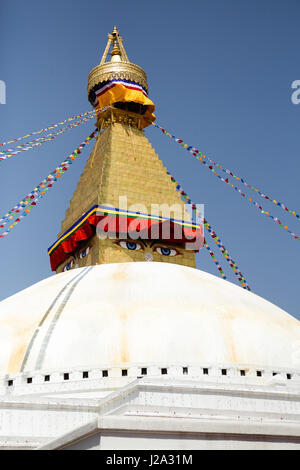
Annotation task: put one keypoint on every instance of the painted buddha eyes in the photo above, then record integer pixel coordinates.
(82, 254)
(135, 246)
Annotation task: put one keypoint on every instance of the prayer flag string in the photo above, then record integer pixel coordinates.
(204, 159)
(53, 126)
(214, 236)
(215, 260)
(40, 140)
(225, 253)
(23, 208)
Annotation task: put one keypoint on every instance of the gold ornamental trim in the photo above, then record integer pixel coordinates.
(118, 70)
(115, 115)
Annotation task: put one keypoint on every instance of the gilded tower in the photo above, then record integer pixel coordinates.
(125, 207)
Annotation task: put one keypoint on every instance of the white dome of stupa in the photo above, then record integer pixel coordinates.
(141, 313)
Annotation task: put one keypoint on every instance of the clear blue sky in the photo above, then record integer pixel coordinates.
(220, 74)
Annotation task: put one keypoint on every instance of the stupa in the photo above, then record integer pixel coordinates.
(128, 345)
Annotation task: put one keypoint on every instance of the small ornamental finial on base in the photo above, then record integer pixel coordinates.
(118, 52)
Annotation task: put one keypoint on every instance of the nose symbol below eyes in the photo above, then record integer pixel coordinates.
(148, 257)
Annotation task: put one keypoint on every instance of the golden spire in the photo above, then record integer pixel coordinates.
(122, 177)
(119, 67)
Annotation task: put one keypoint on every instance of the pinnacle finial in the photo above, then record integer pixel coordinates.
(118, 53)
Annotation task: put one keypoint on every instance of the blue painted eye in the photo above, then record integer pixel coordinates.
(68, 266)
(130, 245)
(84, 253)
(166, 251)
